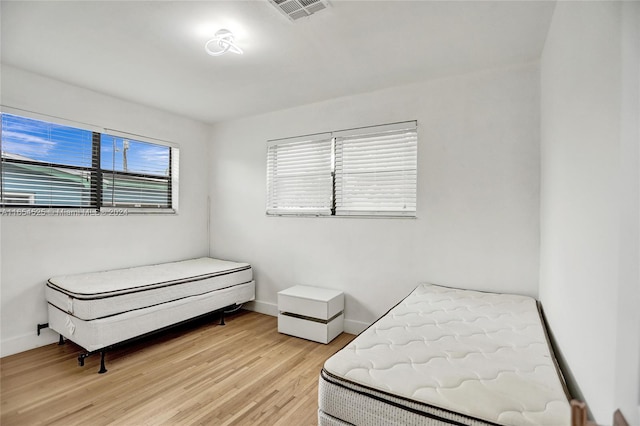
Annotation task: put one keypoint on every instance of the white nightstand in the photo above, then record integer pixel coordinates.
(312, 313)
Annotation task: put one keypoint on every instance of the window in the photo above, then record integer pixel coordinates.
(50, 162)
(376, 171)
(48, 165)
(299, 174)
(359, 172)
(134, 173)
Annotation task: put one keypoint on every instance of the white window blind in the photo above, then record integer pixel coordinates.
(46, 164)
(376, 170)
(299, 175)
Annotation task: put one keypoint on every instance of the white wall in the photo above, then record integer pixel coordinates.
(627, 386)
(478, 196)
(589, 283)
(35, 248)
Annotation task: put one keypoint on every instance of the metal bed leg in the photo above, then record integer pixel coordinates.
(61, 341)
(102, 368)
(222, 317)
(81, 358)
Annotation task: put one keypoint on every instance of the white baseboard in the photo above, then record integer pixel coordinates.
(355, 327)
(24, 342)
(262, 307)
(267, 308)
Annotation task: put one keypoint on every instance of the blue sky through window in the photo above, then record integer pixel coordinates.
(140, 157)
(35, 140)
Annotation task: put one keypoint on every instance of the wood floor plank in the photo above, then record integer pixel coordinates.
(243, 373)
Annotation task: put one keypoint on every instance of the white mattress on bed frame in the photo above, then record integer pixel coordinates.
(101, 294)
(447, 356)
(100, 309)
(101, 333)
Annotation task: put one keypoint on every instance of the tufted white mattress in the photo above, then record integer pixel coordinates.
(447, 356)
(101, 294)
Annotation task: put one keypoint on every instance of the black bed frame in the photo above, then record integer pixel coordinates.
(102, 351)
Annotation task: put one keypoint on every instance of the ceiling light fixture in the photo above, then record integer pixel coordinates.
(222, 43)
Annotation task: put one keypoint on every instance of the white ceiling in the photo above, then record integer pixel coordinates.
(152, 52)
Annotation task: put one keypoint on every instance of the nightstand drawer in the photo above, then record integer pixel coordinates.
(314, 302)
(311, 330)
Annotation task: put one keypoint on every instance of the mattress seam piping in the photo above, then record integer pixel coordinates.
(333, 379)
(137, 289)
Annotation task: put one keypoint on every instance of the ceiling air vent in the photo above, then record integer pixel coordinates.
(296, 9)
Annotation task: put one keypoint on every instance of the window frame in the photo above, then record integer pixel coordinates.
(96, 206)
(171, 178)
(274, 207)
(335, 209)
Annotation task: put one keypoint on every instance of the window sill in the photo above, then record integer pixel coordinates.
(80, 212)
(124, 211)
(351, 216)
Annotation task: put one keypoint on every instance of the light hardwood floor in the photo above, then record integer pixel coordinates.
(243, 373)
